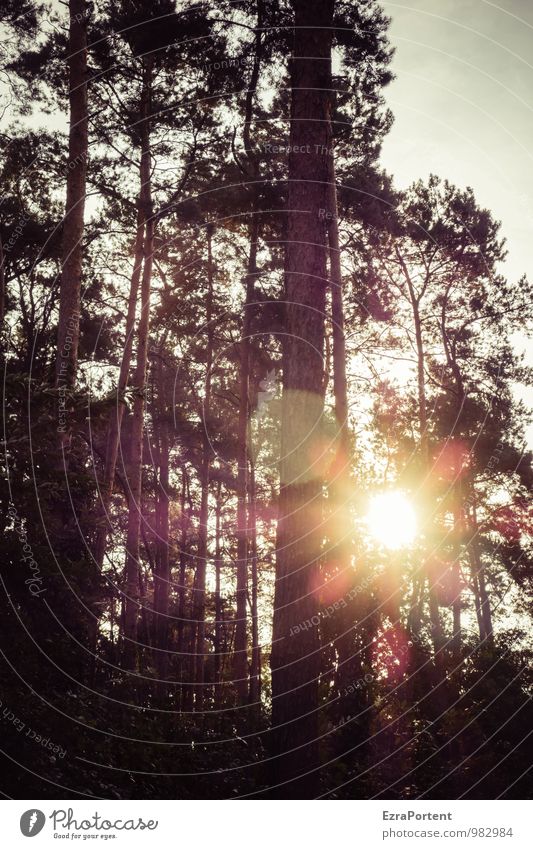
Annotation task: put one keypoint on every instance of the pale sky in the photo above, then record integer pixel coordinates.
(463, 106)
(463, 103)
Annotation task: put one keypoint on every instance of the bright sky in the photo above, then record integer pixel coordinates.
(463, 106)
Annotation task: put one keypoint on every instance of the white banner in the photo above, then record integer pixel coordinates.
(268, 825)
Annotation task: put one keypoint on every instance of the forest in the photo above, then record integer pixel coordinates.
(265, 491)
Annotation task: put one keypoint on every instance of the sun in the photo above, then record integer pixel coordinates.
(391, 520)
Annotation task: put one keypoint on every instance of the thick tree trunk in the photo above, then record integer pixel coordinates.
(202, 553)
(73, 222)
(131, 569)
(340, 383)
(295, 658)
(340, 542)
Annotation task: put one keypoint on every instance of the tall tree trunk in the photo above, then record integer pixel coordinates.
(458, 489)
(73, 222)
(116, 416)
(185, 666)
(145, 636)
(162, 576)
(340, 383)
(255, 669)
(240, 657)
(131, 569)
(218, 600)
(456, 575)
(202, 554)
(114, 431)
(479, 571)
(295, 658)
(2, 284)
(477, 601)
(340, 544)
(425, 501)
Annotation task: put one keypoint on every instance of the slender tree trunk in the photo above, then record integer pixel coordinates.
(2, 284)
(425, 501)
(145, 636)
(421, 375)
(255, 669)
(481, 600)
(202, 555)
(131, 568)
(114, 430)
(456, 576)
(73, 222)
(116, 416)
(218, 600)
(477, 600)
(484, 596)
(185, 667)
(479, 570)
(240, 658)
(162, 577)
(295, 658)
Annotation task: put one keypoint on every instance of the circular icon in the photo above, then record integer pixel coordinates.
(32, 822)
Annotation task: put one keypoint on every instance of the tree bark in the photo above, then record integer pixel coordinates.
(341, 546)
(240, 657)
(295, 658)
(116, 416)
(340, 383)
(185, 666)
(456, 575)
(479, 570)
(131, 569)
(477, 601)
(218, 601)
(202, 553)
(73, 223)
(2, 284)
(425, 501)
(255, 668)
(162, 575)
(114, 430)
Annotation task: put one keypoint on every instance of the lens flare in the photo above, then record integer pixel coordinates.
(391, 520)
